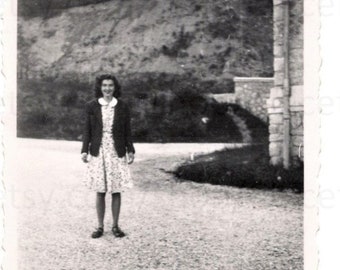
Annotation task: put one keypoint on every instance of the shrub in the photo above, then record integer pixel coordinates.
(182, 42)
(49, 8)
(70, 98)
(247, 167)
(258, 128)
(49, 34)
(164, 108)
(39, 118)
(37, 124)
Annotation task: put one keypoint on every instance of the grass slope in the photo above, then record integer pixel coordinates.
(247, 167)
(210, 39)
(162, 51)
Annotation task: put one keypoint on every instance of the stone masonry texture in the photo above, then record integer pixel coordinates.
(295, 63)
(252, 94)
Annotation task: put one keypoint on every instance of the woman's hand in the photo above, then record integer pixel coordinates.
(84, 157)
(130, 158)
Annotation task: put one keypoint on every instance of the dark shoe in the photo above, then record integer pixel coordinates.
(117, 232)
(98, 233)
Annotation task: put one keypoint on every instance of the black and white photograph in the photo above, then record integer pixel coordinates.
(157, 134)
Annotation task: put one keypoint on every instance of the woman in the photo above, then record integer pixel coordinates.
(107, 149)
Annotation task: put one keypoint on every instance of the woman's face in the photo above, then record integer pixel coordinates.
(108, 88)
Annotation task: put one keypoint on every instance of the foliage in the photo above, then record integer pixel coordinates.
(176, 116)
(38, 119)
(50, 110)
(182, 41)
(225, 25)
(247, 27)
(69, 99)
(258, 17)
(163, 109)
(246, 167)
(258, 129)
(210, 39)
(49, 8)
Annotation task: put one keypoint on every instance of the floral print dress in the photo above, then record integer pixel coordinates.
(107, 172)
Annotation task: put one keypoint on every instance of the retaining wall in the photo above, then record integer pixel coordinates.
(251, 93)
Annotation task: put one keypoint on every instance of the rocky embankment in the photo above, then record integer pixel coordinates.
(208, 40)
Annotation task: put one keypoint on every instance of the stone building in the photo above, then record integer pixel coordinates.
(285, 104)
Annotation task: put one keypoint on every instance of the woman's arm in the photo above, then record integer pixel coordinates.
(128, 138)
(86, 131)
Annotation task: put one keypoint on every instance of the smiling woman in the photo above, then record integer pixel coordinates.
(107, 89)
(104, 82)
(106, 141)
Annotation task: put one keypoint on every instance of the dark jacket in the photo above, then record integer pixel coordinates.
(93, 129)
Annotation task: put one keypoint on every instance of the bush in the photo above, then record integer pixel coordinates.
(168, 116)
(247, 167)
(169, 108)
(176, 116)
(258, 128)
(49, 8)
(37, 124)
(69, 99)
(50, 109)
(182, 42)
(164, 108)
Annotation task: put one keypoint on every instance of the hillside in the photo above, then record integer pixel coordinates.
(167, 55)
(204, 40)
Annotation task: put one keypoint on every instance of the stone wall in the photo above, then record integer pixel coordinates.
(252, 94)
(224, 98)
(296, 77)
(275, 102)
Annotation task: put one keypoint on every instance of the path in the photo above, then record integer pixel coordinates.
(170, 224)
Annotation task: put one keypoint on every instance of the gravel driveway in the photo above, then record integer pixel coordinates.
(169, 224)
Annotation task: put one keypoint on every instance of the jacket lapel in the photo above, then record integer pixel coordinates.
(116, 116)
(98, 114)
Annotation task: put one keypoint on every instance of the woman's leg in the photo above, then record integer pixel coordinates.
(100, 206)
(115, 207)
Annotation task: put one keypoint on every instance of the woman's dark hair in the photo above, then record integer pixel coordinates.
(98, 85)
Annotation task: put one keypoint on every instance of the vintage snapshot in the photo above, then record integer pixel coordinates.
(157, 134)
